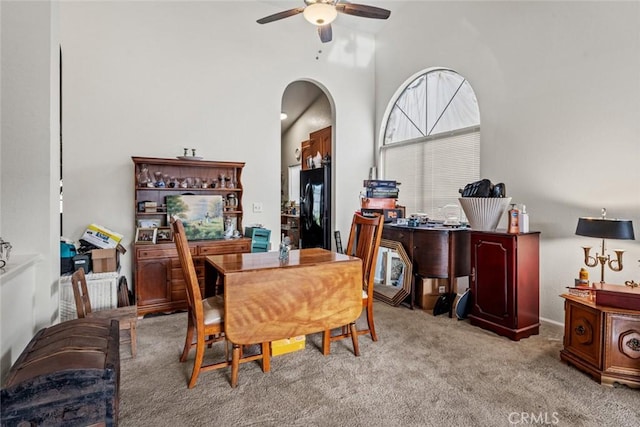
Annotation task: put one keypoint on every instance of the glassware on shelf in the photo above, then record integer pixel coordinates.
(228, 227)
(159, 183)
(197, 182)
(173, 183)
(222, 178)
(205, 183)
(144, 178)
(232, 202)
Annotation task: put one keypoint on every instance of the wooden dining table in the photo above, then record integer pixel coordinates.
(266, 299)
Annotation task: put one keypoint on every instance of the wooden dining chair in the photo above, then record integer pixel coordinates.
(206, 319)
(364, 242)
(127, 317)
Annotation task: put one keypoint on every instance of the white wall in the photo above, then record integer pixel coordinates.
(29, 214)
(148, 78)
(558, 85)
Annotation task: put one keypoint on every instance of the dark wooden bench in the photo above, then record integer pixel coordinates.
(68, 374)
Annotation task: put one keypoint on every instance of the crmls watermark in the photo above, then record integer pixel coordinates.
(541, 418)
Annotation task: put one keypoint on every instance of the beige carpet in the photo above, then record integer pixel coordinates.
(423, 371)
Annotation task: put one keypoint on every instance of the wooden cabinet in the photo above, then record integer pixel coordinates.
(504, 283)
(602, 341)
(319, 142)
(158, 279)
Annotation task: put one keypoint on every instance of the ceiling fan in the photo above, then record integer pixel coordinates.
(322, 13)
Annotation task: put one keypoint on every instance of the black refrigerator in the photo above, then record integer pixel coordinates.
(315, 208)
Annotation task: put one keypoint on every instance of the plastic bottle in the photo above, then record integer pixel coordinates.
(584, 276)
(514, 213)
(523, 221)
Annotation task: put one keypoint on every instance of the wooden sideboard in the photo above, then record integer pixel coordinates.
(602, 341)
(435, 252)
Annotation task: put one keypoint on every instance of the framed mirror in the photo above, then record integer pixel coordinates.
(392, 282)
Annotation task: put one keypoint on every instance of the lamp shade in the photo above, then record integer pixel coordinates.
(320, 13)
(602, 228)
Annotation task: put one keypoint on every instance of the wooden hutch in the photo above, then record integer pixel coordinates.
(159, 283)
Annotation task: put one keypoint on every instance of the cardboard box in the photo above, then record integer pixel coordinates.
(106, 260)
(101, 237)
(428, 291)
(288, 345)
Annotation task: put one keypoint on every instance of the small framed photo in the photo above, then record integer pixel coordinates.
(146, 235)
(164, 234)
(150, 222)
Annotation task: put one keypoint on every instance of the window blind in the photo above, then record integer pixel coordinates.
(432, 169)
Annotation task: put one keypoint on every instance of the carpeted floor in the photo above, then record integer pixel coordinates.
(423, 371)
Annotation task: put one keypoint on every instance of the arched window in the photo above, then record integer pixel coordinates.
(431, 141)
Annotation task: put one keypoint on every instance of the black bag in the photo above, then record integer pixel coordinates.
(482, 188)
(444, 303)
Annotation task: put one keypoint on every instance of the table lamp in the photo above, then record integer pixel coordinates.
(604, 228)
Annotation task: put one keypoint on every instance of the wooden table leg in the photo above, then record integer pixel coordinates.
(235, 363)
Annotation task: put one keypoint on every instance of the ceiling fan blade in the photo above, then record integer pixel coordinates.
(325, 33)
(280, 15)
(363, 11)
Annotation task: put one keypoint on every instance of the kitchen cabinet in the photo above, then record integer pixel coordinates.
(319, 142)
(504, 283)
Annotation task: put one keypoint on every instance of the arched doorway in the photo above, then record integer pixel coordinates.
(308, 109)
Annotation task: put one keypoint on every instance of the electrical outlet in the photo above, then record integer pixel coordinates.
(441, 289)
(257, 207)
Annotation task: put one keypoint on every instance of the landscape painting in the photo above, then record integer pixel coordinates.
(201, 215)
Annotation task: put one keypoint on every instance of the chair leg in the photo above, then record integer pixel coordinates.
(266, 357)
(197, 363)
(372, 328)
(188, 342)
(134, 339)
(354, 338)
(235, 363)
(326, 342)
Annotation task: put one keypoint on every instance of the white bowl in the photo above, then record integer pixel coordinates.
(484, 213)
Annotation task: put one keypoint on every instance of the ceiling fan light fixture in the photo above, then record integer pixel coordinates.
(320, 13)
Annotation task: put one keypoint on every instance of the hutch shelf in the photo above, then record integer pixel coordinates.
(159, 283)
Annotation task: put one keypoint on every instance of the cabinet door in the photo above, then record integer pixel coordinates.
(152, 284)
(321, 141)
(492, 282)
(622, 346)
(583, 332)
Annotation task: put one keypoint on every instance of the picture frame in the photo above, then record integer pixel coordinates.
(146, 235)
(150, 223)
(164, 234)
(201, 215)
